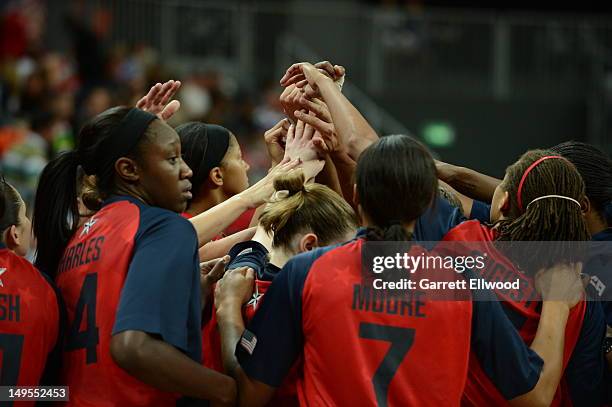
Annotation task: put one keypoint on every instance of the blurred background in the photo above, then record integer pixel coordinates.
(479, 83)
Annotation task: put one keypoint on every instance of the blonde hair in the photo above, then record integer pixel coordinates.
(296, 208)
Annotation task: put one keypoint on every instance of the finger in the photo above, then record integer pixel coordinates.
(174, 89)
(218, 269)
(301, 82)
(326, 67)
(309, 132)
(314, 121)
(275, 136)
(170, 109)
(162, 91)
(298, 77)
(309, 92)
(294, 96)
(145, 101)
(170, 92)
(320, 144)
(165, 93)
(142, 102)
(291, 71)
(206, 266)
(281, 124)
(154, 94)
(316, 108)
(290, 134)
(286, 165)
(340, 70)
(299, 130)
(250, 274)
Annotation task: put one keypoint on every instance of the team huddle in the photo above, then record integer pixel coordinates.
(161, 278)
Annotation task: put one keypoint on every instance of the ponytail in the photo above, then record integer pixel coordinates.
(55, 210)
(297, 208)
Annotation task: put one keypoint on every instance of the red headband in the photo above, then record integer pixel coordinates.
(531, 167)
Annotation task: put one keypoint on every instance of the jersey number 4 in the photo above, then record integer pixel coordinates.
(401, 340)
(89, 338)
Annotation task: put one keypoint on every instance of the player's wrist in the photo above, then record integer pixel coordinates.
(229, 307)
(558, 310)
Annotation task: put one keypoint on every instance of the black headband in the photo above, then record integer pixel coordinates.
(218, 144)
(123, 140)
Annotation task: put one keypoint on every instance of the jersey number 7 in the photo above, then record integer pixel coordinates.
(89, 338)
(401, 340)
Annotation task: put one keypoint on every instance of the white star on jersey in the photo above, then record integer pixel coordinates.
(2, 271)
(255, 298)
(88, 225)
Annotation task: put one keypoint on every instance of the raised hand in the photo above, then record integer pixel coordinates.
(275, 139)
(295, 73)
(302, 74)
(157, 100)
(334, 71)
(300, 145)
(289, 101)
(318, 116)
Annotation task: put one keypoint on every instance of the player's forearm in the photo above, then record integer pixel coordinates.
(161, 365)
(345, 168)
(352, 128)
(329, 176)
(467, 181)
(462, 200)
(549, 343)
(231, 326)
(219, 248)
(210, 223)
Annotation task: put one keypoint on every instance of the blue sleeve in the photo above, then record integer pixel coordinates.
(274, 339)
(586, 368)
(248, 254)
(481, 211)
(158, 296)
(437, 220)
(510, 365)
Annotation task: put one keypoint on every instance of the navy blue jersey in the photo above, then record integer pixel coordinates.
(437, 220)
(303, 314)
(253, 254)
(481, 211)
(599, 267)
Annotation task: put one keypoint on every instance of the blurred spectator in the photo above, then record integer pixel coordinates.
(47, 95)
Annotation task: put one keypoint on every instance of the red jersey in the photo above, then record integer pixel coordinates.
(521, 305)
(359, 347)
(251, 254)
(110, 278)
(29, 321)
